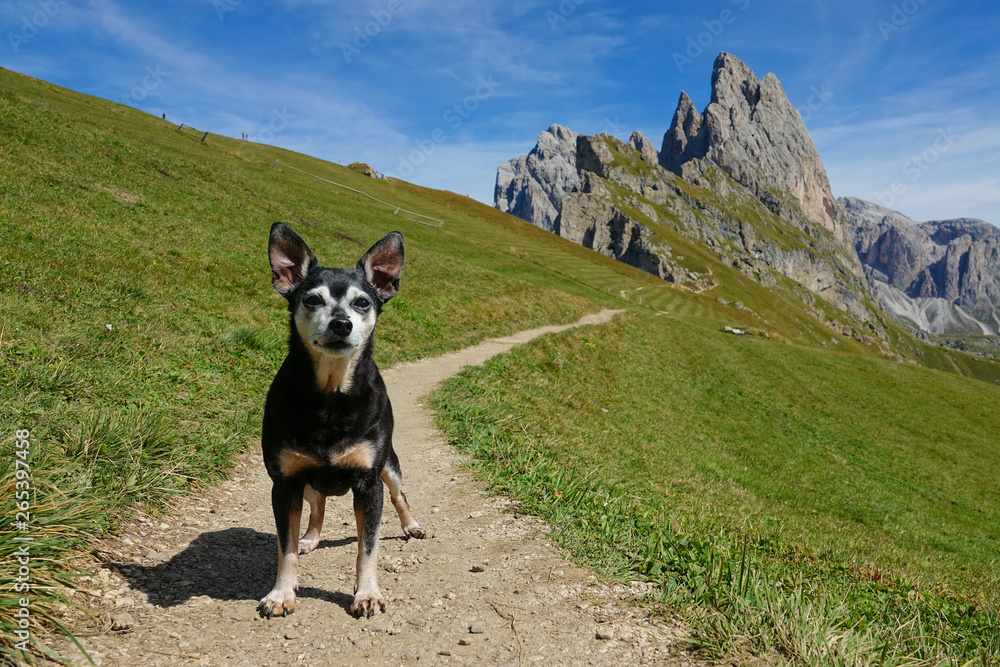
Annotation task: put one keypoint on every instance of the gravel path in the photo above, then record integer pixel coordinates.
(486, 587)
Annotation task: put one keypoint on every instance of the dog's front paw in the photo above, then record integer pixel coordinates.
(414, 530)
(277, 603)
(307, 544)
(366, 602)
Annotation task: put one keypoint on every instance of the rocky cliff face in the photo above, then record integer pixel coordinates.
(742, 178)
(609, 215)
(645, 147)
(754, 134)
(941, 277)
(626, 207)
(532, 186)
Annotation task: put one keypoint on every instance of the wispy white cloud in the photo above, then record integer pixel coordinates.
(892, 135)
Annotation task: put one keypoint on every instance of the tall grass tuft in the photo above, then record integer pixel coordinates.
(254, 339)
(129, 456)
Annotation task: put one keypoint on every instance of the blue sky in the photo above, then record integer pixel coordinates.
(901, 96)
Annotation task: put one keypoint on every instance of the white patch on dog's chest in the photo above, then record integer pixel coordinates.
(334, 373)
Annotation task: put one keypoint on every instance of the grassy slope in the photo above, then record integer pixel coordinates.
(113, 217)
(138, 328)
(861, 481)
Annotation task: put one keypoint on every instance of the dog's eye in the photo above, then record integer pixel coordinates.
(312, 301)
(361, 303)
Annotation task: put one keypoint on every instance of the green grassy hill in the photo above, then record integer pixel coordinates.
(139, 332)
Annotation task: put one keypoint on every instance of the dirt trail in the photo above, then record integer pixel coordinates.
(186, 587)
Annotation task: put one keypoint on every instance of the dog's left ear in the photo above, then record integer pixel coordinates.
(383, 264)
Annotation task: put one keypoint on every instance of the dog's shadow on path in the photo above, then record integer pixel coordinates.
(231, 564)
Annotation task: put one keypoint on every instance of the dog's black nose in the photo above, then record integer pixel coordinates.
(340, 326)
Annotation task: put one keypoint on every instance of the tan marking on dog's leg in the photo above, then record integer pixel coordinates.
(361, 455)
(406, 519)
(281, 600)
(367, 596)
(292, 462)
(317, 510)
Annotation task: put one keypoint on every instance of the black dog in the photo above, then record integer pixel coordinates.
(327, 420)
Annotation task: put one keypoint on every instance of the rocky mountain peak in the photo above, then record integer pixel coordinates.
(865, 213)
(645, 147)
(554, 141)
(684, 128)
(756, 136)
(732, 79)
(741, 178)
(532, 186)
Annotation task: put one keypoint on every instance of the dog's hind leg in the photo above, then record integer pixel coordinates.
(368, 514)
(393, 478)
(317, 510)
(286, 501)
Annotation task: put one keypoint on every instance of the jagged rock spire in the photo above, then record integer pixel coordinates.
(757, 137)
(685, 128)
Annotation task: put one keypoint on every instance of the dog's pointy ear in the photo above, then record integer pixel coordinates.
(290, 258)
(383, 264)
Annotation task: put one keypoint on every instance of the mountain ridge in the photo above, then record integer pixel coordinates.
(763, 204)
(939, 277)
(708, 184)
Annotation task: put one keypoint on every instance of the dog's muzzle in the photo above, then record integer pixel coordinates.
(336, 338)
(340, 327)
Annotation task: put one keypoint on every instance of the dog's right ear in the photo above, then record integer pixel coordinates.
(290, 258)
